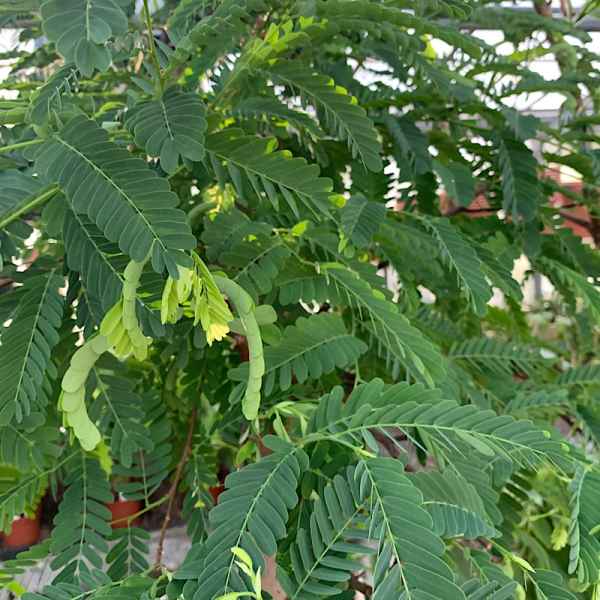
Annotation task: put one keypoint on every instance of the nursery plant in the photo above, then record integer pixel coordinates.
(276, 239)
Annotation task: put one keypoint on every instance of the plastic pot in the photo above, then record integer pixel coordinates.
(121, 509)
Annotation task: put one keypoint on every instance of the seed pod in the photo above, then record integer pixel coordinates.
(245, 308)
(120, 324)
(72, 398)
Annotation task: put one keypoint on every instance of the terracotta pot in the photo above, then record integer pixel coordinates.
(215, 491)
(121, 509)
(25, 532)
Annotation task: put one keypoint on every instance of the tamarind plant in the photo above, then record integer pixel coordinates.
(277, 239)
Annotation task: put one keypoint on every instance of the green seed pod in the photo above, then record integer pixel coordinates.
(72, 398)
(245, 308)
(120, 324)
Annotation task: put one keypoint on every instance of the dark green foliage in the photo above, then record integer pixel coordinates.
(81, 527)
(251, 514)
(314, 255)
(170, 128)
(312, 347)
(26, 347)
(319, 558)
(142, 217)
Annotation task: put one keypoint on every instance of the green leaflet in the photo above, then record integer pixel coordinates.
(256, 263)
(171, 127)
(520, 185)
(118, 409)
(391, 333)
(18, 566)
(20, 494)
(81, 28)
(217, 33)
(271, 107)
(128, 555)
(152, 462)
(319, 557)
(81, 526)
(390, 330)
(457, 180)
(90, 253)
(451, 428)
(410, 142)
(253, 164)
(48, 98)
(227, 228)
(475, 590)
(584, 375)
(26, 348)
(29, 445)
(361, 219)
(20, 193)
(497, 356)
(584, 555)
(245, 309)
(311, 347)
(454, 505)
(551, 586)
(356, 14)
(462, 258)
(340, 111)
(404, 531)
(251, 514)
(183, 17)
(128, 202)
(576, 284)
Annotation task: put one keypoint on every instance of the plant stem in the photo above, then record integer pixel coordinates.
(140, 512)
(152, 46)
(13, 147)
(173, 489)
(197, 211)
(33, 203)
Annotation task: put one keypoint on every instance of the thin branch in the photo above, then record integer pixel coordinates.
(359, 586)
(463, 209)
(577, 220)
(27, 208)
(173, 489)
(13, 147)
